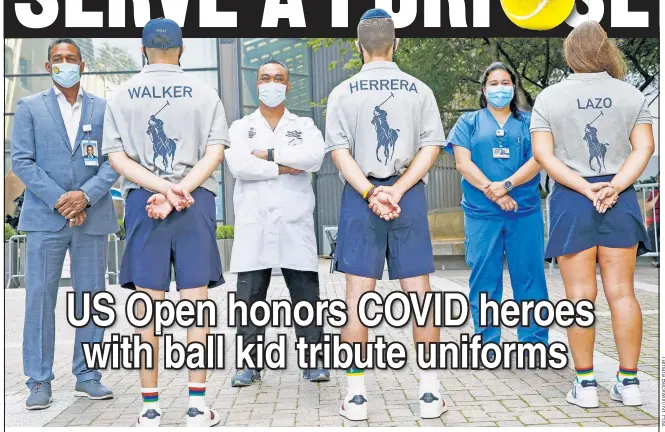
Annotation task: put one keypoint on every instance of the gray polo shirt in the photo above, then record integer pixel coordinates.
(591, 117)
(384, 116)
(164, 119)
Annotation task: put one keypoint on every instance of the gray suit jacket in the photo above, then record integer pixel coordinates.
(43, 159)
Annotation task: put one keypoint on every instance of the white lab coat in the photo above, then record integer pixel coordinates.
(274, 220)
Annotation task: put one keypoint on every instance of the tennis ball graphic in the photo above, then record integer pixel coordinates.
(537, 14)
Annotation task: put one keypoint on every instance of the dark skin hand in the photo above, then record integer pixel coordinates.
(283, 169)
(71, 203)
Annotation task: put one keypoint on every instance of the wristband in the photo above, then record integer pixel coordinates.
(270, 155)
(368, 192)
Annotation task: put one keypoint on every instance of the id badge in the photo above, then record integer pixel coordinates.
(90, 152)
(501, 153)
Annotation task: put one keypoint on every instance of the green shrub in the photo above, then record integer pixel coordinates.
(9, 232)
(121, 232)
(224, 232)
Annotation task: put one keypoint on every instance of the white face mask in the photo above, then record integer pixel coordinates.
(272, 94)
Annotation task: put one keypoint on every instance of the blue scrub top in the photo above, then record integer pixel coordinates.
(476, 131)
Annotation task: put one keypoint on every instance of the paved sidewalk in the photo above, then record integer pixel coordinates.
(283, 398)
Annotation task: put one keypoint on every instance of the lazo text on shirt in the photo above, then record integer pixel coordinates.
(594, 103)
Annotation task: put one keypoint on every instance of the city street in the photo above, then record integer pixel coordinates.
(283, 398)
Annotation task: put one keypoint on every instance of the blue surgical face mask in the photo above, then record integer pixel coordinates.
(66, 74)
(272, 94)
(500, 96)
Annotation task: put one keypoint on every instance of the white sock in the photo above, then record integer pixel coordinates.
(429, 383)
(150, 399)
(355, 379)
(197, 397)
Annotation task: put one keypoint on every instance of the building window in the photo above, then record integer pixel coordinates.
(23, 68)
(9, 58)
(294, 53)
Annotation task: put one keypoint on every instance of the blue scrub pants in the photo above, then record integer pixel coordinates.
(522, 240)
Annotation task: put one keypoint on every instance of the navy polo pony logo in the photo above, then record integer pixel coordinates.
(162, 145)
(597, 149)
(385, 136)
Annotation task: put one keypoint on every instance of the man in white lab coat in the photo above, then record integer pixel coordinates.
(271, 155)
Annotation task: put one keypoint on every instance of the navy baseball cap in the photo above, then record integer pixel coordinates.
(375, 14)
(162, 33)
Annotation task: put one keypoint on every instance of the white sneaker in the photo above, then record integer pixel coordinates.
(584, 394)
(206, 418)
(627, 392)
(149, 418)
(432, 405)
(354, 407)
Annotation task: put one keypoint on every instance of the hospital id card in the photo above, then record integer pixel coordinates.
(501, 153)
(90, 152)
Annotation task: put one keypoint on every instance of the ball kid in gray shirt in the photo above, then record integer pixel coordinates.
(164, 119)
(383, 116)
(591, 116)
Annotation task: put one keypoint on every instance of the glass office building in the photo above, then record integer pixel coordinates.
(225, 64)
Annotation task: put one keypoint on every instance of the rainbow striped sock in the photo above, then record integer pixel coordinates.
(197, 393)
(355, 372)
(625, 373)
(585, 374)
(150, 395)
(355, 379)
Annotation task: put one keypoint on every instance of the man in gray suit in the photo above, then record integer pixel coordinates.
(67, 207)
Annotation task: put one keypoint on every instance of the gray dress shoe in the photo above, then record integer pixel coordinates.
(40, 397)
(92, 389)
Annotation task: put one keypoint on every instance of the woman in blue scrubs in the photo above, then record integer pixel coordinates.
(501, 203)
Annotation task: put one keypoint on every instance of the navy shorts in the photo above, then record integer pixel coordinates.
(575, 225)
(365, 241)
(185, 240)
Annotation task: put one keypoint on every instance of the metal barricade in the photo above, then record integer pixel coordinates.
(16, 265)
(113, 238)
(547, 225)
(16, 260)
(646, 191)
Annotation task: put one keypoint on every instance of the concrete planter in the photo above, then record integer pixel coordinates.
(225, 246)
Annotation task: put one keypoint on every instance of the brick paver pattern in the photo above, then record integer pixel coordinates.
(283, 398)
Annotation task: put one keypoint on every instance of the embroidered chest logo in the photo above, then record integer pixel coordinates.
(252, 133)
(296, 137)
